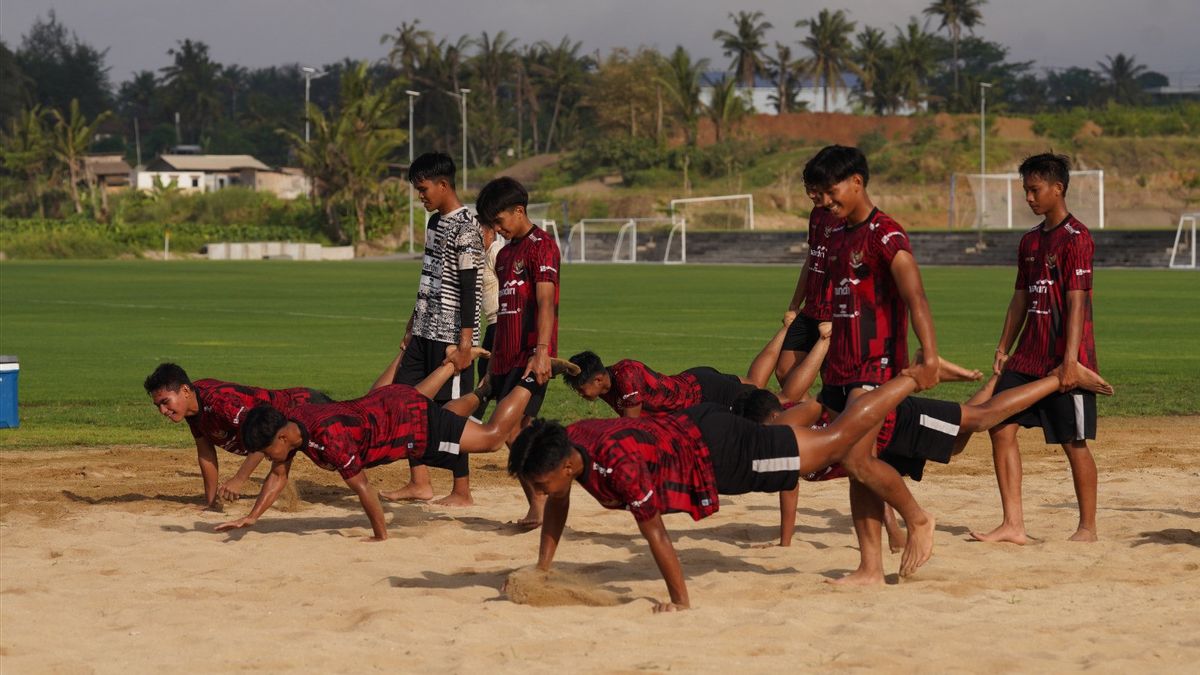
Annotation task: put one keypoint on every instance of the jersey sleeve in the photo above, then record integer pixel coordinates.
(631, 481)
(1077, 263)
(1022, 282)
(468, 244)
(888, 240)
(545, 261)
(339, 451)
(629, 385)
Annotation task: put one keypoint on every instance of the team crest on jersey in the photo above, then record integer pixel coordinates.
(828, 230)
(1051, 260)
(856, 258)
(519, 267)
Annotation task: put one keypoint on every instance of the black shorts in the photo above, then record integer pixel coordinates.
(421, 358)
(1063, 417)
(801, 335)
(503, 383)
(718, 387)
(925, 430)
(747, 457)
(835, 396)
(442, 450)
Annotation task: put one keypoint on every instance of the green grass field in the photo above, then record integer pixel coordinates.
(87, 333)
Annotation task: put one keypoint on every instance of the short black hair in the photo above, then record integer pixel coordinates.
(756, 405)
(541, 447)
(1049, 167)
(499, 195)
(590, 366)
(261, 425)
(431, 166)
(167, 376)
(834, 164)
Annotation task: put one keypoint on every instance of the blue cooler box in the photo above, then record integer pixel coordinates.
(10, 369)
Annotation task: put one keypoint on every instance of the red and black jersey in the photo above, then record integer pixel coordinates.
(1050, 263)
(223, 405)
(822, 226)
(648, 465)
(634, 384)
(388, 424)
(521, 264)
(870, 319)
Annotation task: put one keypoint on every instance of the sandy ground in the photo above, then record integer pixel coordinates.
(106, 566)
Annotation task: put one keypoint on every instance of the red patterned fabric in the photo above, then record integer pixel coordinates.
(822, 227)
(521, 264)
(634, 384)
(223, 406)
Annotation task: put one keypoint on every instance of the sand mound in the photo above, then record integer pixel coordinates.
(531, 586)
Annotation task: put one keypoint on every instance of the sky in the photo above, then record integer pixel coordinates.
(1161, 34)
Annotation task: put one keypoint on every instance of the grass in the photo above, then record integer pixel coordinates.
(87, 333)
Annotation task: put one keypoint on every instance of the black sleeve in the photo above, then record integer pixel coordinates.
(468, 310)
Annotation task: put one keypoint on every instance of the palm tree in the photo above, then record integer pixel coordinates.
(561, 72)
(914, 51)
(869, 53)
(745, 44)
(829, 42)
(408, 44)
(1121, 73)
(956, 15)
(192, 83)
(442, 68)
(782, 68)
(25, 152)
(725, 107)
(72, 136)
(680, 78)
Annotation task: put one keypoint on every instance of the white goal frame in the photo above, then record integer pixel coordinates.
(1189, 242)
(1008, 181)
(627, 235)
(679, 221)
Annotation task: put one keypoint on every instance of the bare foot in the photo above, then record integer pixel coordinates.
(456, 499)
(919, 547)
(409, 493)
(859, 577)
(897, 541)
(948, 371)
(1083, 534)
(560, 366)
(1090, 380)
(1011, 534)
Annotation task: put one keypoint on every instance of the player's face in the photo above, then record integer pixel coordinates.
(554, 483)
(840, 198)
(510, 224)
(174, 405)
(431, 192)
(278, 450)
(1040, 195)
(591, 389)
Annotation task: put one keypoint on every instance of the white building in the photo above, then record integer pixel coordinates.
(761, 95)
(200, 173)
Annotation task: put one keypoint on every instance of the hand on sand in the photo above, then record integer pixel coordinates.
(230, 490)
(235, 524)
(215, 506)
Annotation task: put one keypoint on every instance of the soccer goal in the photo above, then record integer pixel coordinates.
(614, 239)
(722, 212)
(995, 201)
(1185, 241)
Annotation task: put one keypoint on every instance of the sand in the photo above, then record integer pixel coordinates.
(106, 566)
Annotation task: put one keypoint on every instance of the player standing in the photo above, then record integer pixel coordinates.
(1051, 308)
(810, 301)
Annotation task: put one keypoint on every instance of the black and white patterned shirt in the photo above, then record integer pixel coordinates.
(452, 243)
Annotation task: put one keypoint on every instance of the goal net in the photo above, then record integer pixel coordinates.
(1183, 252)
(616, 239)
(722, 212)
(996, 201)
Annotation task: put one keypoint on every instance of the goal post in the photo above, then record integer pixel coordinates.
(720, 212)
(1185, 240)
(994, 201)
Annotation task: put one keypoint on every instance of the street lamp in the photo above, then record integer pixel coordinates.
(463, 98)
(310, 74)
(983, 87)
(412, 95)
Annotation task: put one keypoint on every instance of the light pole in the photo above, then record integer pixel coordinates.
(412, 96)
(983, 87)
(463, 98)
(310, 74)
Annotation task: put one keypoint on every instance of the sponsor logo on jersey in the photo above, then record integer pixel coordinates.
(1082, 272)
(889, 235)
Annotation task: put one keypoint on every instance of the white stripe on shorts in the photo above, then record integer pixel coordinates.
(776, 464)
(939, 425)
(456, 386)
(447, 446)
(1079, 417)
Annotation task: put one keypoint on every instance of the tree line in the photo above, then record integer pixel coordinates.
(58, 101)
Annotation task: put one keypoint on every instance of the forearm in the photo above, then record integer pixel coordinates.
(554, 520)
(248, 467)
(665, 557)
(922, 322)
(1014, 318)
(271, 489)
(798, 294)
(206, 457)
(1075, 306)
(788, 499)
(369, 499)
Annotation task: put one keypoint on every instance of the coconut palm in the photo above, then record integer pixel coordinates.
(560, 72)
(915, 54)
(782, 68)
(1121, 73)
(828, 41)
(956, 15)
(725, 107)
(745, 44)
(25, 153)
(870, 51)
(71, 137)
(192, 84)
(680, 79)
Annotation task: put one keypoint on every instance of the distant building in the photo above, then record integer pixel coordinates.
(109, 171)
(810, 93)
(208, 173)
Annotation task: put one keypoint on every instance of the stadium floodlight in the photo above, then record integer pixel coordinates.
(412, 96)
(310, 74)
(463, 98)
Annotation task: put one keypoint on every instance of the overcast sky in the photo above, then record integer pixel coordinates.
(1162, 34)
